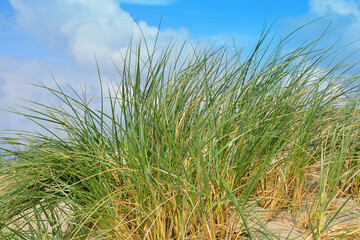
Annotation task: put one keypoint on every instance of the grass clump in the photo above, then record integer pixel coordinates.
(190, 149)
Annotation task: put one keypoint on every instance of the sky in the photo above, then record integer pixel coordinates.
(42, 38)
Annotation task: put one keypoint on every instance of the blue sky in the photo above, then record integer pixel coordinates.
(42, 37)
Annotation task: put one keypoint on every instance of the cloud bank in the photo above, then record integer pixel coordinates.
(79, 28)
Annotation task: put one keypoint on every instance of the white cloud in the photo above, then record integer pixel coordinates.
(79, 28)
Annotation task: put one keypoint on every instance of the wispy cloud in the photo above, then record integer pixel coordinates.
(344, 8)
(344, 16)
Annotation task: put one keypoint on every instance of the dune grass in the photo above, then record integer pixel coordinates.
(190, 149)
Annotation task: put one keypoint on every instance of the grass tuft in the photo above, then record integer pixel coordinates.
(214, 147)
